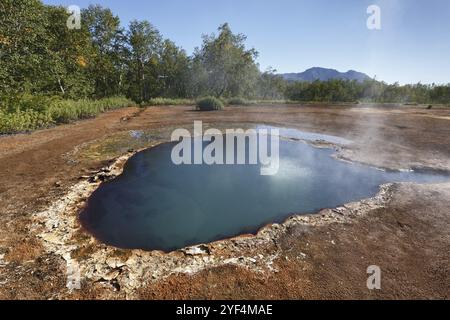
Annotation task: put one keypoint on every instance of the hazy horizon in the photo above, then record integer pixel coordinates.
(293, 36)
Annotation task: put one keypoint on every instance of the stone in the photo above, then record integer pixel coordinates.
(113, 274)
(231, 261)
(2, 261)
(114, 263)
(195, 251)
(132, 260)
(52, 238)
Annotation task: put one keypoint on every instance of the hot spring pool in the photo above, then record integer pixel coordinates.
(157, 205)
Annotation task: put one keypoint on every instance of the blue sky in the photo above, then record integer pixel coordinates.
(293, 35)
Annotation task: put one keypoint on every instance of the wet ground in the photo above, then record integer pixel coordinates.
(407, 234)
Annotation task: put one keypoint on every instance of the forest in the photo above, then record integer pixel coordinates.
(52, 74)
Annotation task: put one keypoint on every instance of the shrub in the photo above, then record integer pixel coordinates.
(63, 112)
(21, 121)
(26, 117)
(209, 104)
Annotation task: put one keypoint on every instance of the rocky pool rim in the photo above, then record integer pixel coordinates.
(121, 161)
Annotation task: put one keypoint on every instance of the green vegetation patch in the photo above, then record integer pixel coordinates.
(238, 101)
(31, 113)
(167, 102)
(209, 104)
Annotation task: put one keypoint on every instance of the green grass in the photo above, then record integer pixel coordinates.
(39, 112)
(237, 101)
(167, 102)
(272, 102)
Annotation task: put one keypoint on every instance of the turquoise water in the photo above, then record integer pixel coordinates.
(156, 205)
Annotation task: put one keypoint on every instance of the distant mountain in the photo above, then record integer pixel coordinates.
(324, 74)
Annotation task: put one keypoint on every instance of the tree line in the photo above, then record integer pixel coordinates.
(367, 91)
(41, 56)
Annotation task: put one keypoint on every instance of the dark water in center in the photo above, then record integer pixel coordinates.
(156, 205)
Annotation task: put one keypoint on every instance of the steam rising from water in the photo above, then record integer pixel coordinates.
(155, 204)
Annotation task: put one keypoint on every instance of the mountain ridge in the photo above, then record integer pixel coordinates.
(325, 74)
